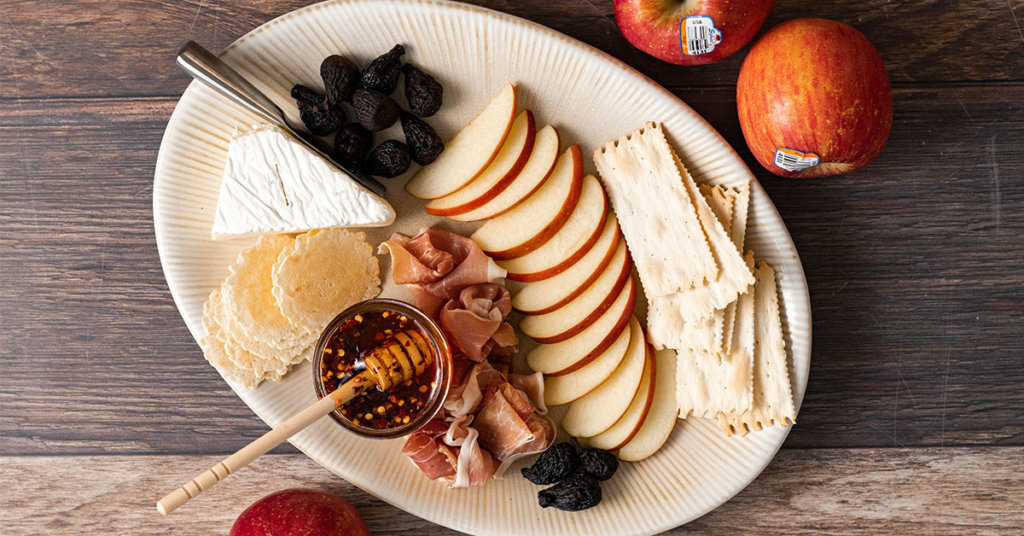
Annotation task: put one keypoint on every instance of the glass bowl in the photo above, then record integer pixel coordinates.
(438, 346)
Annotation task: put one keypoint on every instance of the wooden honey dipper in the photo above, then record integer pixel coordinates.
(384, 368)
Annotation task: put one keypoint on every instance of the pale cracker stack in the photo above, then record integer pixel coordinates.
(280, 294)
(732, 364)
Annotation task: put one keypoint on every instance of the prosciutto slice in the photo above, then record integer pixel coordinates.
(491, 417)
(438, 265)
(436, 459)
(465, 398)
(502, 421)
(475, 323)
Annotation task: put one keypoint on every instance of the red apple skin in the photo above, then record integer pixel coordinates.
(653, 25)
(300, 512)
(815, 86)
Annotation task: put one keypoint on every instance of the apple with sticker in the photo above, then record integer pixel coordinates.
(813, 99)
(691, 32)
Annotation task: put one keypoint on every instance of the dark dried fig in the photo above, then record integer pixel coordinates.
(578, 492)
(374, 110)
(341, 77)
(422, 92)
(554, 464)
(321, 119)
(382, 73)
(598, 463)
(351, 144)
(389, 159)
(424, 144)
(302, 93)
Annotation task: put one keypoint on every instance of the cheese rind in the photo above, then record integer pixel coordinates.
(272, 183)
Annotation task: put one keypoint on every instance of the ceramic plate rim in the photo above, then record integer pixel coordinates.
(174, 122)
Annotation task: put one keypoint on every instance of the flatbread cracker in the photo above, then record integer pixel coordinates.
(737, 232)
(707, 385)
(322, 274)
(734, 276)
(668, 328)
(656, 212)
(773, 392)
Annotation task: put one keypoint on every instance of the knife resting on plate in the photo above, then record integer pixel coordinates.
(207, 68)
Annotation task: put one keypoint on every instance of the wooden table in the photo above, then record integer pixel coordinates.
(913, 420)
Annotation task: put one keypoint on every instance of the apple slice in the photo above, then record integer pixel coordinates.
(530, 224)
(514, 154)
(546, 295)
(583, 311)
(541, 162)
(662, 416)
(574, 353)
(600, 408)
(560, 390)
(570, 243)
(469, 152)
(629, 424)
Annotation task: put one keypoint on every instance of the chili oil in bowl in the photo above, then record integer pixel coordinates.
(398, 327)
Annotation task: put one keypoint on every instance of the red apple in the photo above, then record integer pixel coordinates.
(295, 512)
(691, 32)
(813, 99)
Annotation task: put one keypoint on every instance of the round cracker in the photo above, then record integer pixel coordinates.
(282, 350)
(322, 274)
(215, 351)
(249, 299)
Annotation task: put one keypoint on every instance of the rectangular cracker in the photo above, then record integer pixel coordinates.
(734, 275)
(773, 392)
(737, 232)
(656, 212)
(667, 328)
(706, 386)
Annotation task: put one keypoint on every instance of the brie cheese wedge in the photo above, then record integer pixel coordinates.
(273, 184)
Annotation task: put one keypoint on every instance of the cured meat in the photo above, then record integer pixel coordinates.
(543, 430)
(438, 265)
(436, 459)
(475, 465)
(465, 397)
(533, 386)
(490, 417)
(474, 324)
(502, 421)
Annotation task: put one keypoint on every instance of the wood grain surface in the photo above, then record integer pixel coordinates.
(834, 491)
(914, 414)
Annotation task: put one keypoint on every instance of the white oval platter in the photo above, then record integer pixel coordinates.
(591, 98)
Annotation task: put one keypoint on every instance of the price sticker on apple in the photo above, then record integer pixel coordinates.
(793, 160)
(698, 35)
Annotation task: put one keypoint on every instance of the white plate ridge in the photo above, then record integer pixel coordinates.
(591, 98)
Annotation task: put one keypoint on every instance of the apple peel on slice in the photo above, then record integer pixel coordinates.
(500, 173)
(527, 226)
(661, 418)
(629, 424)
(538, 167)
(574, 353)
(546, 295)
(560, 390)
(580, 232)
(600, 408)
(580, 313)
(469, 152)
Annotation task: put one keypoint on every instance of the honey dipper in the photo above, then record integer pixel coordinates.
(383, 369)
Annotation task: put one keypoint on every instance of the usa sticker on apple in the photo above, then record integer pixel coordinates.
(698, 35)
(793, 160)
